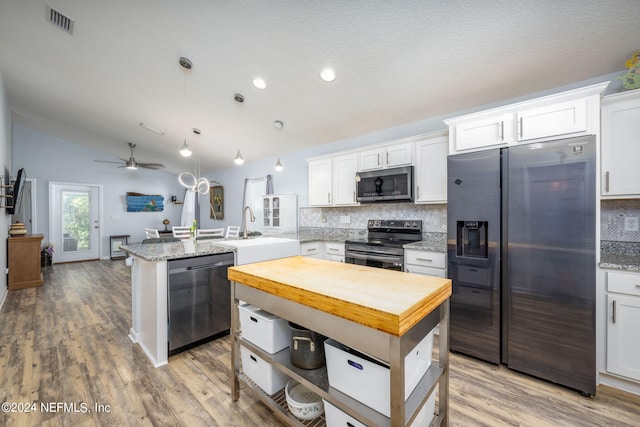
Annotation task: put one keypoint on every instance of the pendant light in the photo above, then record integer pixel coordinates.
(239, 98)
(238, 159)
(278, 167)
(186, 64)
(185, 150)
(188, 180)
(279, 125)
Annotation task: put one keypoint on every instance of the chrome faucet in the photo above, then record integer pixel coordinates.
(244, 220)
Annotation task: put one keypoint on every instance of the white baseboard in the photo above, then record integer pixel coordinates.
(620, 383)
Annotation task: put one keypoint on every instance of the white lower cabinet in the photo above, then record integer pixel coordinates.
(334, 251)
(623, 321)
(425, 262)
(312, 249)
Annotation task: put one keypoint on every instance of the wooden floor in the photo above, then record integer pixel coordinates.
(66, 357)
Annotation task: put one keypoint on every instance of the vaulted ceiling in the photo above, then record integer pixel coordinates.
(396, 62)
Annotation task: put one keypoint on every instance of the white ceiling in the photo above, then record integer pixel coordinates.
(397, 62)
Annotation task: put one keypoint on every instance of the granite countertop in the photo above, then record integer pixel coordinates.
(176, 250)
(620, 255)
(620, 262)
(431, 242)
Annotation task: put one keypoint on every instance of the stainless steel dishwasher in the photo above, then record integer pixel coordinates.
(199, 300)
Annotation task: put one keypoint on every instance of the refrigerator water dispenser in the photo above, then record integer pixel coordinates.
(472, 239)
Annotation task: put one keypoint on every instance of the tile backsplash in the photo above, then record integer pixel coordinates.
(434, 217)
(354, 219)
(612, 220)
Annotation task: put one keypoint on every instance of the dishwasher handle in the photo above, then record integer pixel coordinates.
(200, 267)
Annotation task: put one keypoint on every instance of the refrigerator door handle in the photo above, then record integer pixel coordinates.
(606, 181)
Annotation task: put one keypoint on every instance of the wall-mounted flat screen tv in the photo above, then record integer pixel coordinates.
(18, 187)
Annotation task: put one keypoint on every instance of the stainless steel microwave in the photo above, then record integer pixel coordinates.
(385, 185)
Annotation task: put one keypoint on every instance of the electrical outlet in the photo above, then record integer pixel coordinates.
(631, 223)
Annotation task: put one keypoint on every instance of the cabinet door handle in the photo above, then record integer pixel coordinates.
(613, 317)
(424, 259)
(387, 158)
(334, 249)
(502, 130)
(354, 195)
(637, 286)
(606, 181)
(417, 192)
(520, 126)
(328, 197)
(379, 163)
(311, 249)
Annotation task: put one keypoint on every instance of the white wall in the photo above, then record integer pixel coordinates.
(5, 162)
(47, 158)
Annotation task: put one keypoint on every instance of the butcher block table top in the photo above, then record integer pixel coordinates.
(386, 300)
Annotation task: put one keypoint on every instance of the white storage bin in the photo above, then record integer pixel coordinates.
(366, 379)
(426, 414)
(262, 373)
(336, 418)
(268, 331)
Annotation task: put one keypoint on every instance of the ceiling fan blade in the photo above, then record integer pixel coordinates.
(107, 161)
(151, 165)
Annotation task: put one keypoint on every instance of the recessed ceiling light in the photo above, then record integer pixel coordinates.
(328, 75)
(259, 83)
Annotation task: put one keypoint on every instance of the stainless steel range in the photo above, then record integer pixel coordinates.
(384, 246)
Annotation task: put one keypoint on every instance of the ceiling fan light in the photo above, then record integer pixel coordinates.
(132, 166)
(278, 167)
(185, 150)
(238, 160)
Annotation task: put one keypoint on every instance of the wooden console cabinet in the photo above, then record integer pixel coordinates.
(23, 253)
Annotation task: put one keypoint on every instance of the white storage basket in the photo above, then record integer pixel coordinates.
(268, 331)
(367, 379)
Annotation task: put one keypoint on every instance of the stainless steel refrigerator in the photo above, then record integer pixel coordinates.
(521, 227)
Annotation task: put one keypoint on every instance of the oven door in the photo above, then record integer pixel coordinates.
(389, 262)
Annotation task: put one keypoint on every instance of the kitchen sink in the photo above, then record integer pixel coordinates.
(262, 248)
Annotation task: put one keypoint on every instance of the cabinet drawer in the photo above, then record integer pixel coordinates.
(334, 248)
(624, 283)
(310, 249)
(425, 259)
(427, 271)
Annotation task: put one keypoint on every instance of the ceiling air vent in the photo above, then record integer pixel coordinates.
(59, 20)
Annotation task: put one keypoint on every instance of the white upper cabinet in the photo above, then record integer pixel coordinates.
(431, 169)
(572, 113)
(484, 132)
(332, 180)
(621, 145)
(386, 157)
(562, 118)
(344, 179)
(320, 182)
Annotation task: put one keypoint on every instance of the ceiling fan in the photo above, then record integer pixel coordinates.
(132, 164)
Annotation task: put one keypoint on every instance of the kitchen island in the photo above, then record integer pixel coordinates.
(150, 282)
(382, 313)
